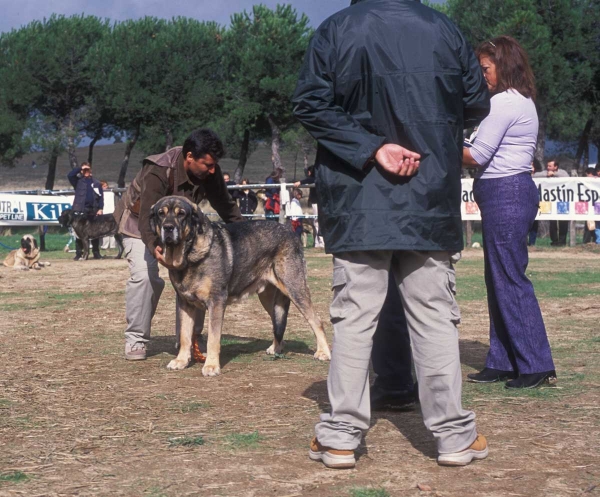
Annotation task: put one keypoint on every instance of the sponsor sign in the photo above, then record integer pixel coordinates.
(565, 199)
(35, 210)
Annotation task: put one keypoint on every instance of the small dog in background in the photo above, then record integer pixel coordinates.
(87, 229)
(27, 257)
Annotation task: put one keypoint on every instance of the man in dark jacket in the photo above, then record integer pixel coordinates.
(386, 89)
(89, 200)
(192, 172)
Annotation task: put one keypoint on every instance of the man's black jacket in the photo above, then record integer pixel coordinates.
(389, 71)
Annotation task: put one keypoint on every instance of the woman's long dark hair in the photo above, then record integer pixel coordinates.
(512, 65)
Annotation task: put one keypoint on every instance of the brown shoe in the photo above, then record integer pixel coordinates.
(135, 351)
(331, 458)
(477, 450)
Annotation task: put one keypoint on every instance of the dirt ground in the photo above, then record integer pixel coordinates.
(77, 419)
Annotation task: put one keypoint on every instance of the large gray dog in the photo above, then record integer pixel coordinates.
(88, 228)
(214, 265)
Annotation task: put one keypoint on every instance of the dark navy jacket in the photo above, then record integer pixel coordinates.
(389, 71)
(89, 196)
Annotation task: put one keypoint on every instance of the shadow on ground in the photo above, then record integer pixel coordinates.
(232, 346)
(409, 422)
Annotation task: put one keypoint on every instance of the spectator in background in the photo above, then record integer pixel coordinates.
(89, 200)
(536, 167)
(228, 180)
(247, 199)
(508, 200)
(273, 202)
(558, 229)
(589, 235)
(295, 211)
(312, 201)
(107, 242)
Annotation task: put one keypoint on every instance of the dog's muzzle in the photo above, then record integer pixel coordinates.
(169, 234)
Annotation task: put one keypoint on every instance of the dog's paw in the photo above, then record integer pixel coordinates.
(47, 264)
(211, 370)
(322, 355)
(274, 350)
(177, 364)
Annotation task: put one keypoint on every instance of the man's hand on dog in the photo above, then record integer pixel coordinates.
(398, 160)
(158, 251)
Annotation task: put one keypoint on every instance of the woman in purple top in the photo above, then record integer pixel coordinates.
(508, 200)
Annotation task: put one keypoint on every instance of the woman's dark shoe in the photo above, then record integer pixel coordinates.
(533, 380)
(490, 375)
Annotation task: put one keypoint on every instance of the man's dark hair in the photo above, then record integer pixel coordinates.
(225, 173)
(202, 142)
(590, 171)
(597, 169)
(556, 163)
(537, 165)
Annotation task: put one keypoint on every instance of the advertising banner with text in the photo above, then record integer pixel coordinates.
(565, 199)
(35, 210)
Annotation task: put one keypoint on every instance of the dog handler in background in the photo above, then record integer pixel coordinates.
(386, 89)
(89, 200)
(192, 172)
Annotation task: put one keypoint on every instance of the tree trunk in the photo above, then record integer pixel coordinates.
(51, 170)
(168, 140)
(71, 145)
(582, 148)
(305, 152)
(541, 140)
(275, 143)
(128, 148)
(239, 170)
(97, 136)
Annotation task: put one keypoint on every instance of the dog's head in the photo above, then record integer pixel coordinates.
(176, 220)
(66, 218)
(28, 244)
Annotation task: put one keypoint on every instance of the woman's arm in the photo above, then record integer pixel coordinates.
(467, 159)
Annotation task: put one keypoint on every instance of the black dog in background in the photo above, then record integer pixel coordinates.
(87, 229)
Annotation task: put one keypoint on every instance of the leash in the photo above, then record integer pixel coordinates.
(6, 246)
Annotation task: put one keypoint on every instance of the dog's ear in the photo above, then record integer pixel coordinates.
(35, 245)
(197, 219)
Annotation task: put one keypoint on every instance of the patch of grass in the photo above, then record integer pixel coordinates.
(38, 300)
(155, 492)
(275, 357)
(194, 406)
(14, 477)
(5, 403)
(244, 440)
(186, 441)
(368, 492)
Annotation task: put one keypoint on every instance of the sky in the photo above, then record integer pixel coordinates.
(17, 13)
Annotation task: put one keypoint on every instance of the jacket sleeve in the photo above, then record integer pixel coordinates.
(315, 107)
(73, 176)
(155, 186)
(476, 97)
(220, 200)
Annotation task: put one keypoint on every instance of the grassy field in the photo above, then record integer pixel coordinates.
(77, 419)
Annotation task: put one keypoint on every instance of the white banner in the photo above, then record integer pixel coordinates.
(565, 199)
(35, 210)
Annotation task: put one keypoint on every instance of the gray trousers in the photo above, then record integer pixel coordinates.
(426, 282)
(142, 293)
